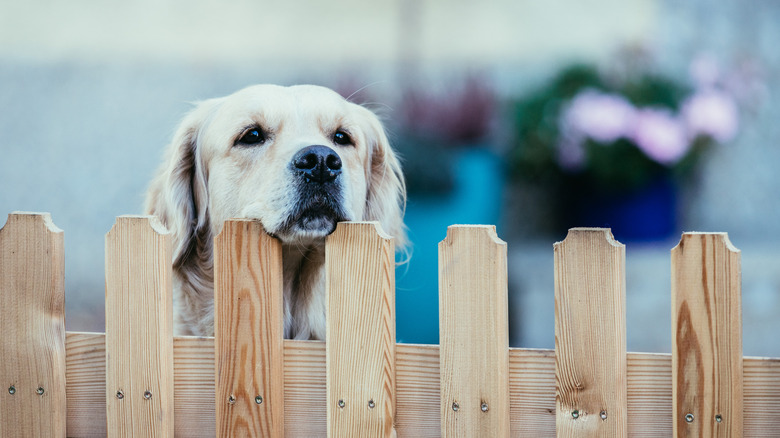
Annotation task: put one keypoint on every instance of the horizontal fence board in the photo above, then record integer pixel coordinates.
(531, 390)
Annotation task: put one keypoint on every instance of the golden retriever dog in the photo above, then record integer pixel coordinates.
(299, 159)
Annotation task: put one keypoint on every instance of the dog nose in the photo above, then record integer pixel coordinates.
(318, 163)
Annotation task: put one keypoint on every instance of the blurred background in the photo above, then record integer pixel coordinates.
(647, 116)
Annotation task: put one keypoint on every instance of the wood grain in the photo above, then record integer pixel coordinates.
(139, 329)
(590, 334)
(32, 326)
(360, 350)
(707, 331)
(474, 339)
(248, 329)
(531, 390)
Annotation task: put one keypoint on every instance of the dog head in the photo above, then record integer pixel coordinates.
(299, 159)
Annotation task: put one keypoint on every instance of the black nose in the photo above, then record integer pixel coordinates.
(319, 164)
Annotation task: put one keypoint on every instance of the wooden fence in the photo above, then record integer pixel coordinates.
(137, 379)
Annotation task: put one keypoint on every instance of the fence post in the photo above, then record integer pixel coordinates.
(360, 349)
(474, 335)
(139, 328)
(706, 336)
(590, 334)
(248, 331)
(32, 326)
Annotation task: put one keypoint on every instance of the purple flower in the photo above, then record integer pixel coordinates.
(712, 113)
(660, 135)
(600, 116)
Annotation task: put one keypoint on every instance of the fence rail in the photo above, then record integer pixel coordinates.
(138, 379)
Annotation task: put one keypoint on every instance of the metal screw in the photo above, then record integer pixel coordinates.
(689, 418)
(603, 415)
(455, 406)
(12, 390)
(147, 394)
(575, 414)
(39, 391)
(484, 407)
(231, 399)
(259, 399)
(342, 404)
(120, 395)
(371, 404)
(719, 418)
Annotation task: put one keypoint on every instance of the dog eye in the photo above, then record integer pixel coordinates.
(342, 138)
(252, 136)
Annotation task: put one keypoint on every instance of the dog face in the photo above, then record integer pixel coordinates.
(299, 159)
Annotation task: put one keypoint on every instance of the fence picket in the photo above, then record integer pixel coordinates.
(248, 328)
(139, 329)
(32, 323)
(590, 335)
(474, 335)
(360, 351)
(707, 336)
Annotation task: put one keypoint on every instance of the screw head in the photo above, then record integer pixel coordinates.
(455, 406)
(484, 407)
(342, 404)
(575, 414)
(689, 418)
(371, 404)
(147, 394)
(719, 418)
(120, 395)
(231, 399)
(603, 415)
(39, 391)
(259, 399)
(12, 390)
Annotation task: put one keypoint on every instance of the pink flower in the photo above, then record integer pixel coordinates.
(600, 116)
(660, 135)
(712, 113)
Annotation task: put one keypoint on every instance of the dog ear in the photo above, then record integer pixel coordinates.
(178, 195)
(386, 199)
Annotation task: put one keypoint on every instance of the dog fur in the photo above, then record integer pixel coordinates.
(214, 171)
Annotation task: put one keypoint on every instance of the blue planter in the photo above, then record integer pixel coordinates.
(475, 199)
(643, 215)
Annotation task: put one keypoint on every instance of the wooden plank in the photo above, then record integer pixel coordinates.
(707, 336)
(474, 335)
(194, 391)
(590, 334)
(360, 352)
(139, 329)
(248, 329)
(32, 323)
(531, 390)
(86, 384)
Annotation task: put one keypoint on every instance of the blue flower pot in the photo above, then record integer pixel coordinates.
(475, 199)
(646, 214)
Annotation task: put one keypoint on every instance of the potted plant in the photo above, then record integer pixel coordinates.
(453, 176)
(613, 149)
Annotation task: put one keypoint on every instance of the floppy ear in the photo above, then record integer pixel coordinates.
(386, 199)
(178, 195)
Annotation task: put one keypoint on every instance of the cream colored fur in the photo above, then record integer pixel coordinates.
(206, 179)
